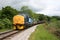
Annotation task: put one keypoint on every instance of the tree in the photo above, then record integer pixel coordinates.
(0, 13)
(7, 23)
(8, 12)
(57, 17)
(27, 11)
(41, 17)
(6, 16)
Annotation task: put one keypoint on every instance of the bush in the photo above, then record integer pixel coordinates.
(5, 23)
(54, 24)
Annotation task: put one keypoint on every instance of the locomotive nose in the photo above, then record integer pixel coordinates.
(18, 22)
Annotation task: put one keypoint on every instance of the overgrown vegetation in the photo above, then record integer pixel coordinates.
(42, 34)
(6, 15)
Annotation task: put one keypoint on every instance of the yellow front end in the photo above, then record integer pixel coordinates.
(18, 19)
(20, 27)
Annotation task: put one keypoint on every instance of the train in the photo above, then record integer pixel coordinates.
(22, 21)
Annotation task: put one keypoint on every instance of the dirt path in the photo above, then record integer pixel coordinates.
(24, 35)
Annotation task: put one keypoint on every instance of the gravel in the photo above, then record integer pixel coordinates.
(25, 34)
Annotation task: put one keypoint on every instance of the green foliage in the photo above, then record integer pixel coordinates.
(27, 11)
(6, 16)
(57, 17)
(1, 24)
(42, 34)
(0, 13)
(8, 12)
(41, 17)
(5, 23)
(53, 20)
(54, 24)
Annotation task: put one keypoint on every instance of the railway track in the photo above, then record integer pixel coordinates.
(7, 34)
(12, 32)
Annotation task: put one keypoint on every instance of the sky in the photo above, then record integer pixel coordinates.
(47, 7)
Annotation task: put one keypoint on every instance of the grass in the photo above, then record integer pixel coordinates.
(42, 34)
(3, 30)
(54, 24)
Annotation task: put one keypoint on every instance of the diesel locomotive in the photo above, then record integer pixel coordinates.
(21, 21)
